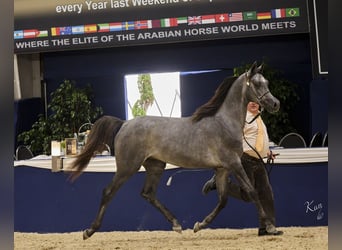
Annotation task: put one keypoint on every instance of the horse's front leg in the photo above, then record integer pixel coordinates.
(222, 190)
(245, 183)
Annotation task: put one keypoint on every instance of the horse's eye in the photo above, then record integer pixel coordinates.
(256, 83)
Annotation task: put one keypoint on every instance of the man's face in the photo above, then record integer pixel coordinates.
(253, 107)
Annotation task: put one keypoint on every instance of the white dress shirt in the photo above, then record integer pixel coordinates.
(250, 133)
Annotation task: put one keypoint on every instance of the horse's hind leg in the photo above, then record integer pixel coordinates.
(154, 171)
(118, 180)
(222, 190)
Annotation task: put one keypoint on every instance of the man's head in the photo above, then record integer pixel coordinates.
(253, 107)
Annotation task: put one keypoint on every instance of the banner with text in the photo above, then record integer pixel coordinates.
(42, 25)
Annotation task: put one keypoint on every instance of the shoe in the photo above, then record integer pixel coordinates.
(209, 186)
(263, 232)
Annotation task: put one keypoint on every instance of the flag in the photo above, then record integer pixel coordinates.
(264, 15)
(103, 27)
(168, 22)
(115, 27)
(193, 20)
(206, 19)
(55, 31)
(143, 24)
(65, 30)
(90, 28)
(249, 15)
(30, 33)
(235, 17)
(182, 20)
(77, 29)
(18, 34)
(42, 33)
(156, 23)
(292, 12)
(278, 13)
(221, 18)
(128, 25)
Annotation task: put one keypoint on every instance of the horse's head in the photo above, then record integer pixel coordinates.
(257, 89)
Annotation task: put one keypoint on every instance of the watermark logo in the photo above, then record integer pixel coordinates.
(312, 207)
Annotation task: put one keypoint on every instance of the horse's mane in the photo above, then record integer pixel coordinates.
(212, 106)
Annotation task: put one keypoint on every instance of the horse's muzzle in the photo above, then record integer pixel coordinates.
(271, 104)
(276, 105)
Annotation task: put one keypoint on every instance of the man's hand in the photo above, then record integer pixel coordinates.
(271, 157)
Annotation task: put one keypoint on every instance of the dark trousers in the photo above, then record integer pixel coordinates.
(258, 176)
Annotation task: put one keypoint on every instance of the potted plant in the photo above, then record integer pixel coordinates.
(69, 108)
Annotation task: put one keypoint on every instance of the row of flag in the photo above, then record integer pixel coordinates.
(159, 23)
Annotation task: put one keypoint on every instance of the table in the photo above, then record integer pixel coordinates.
(107, 163)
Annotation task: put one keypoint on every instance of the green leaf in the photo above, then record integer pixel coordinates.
(69, 108)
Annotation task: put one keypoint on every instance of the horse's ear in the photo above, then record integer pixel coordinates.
(260, 68)
(252, 70)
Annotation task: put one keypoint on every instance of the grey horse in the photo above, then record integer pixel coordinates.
(210, 138)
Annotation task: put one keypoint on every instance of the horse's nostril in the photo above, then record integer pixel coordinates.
(276, 105)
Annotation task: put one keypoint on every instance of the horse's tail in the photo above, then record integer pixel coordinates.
(102, 133)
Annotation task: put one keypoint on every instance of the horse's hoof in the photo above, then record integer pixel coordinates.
(85, 235)
(177, 229)
(271, 228)
(197, 227)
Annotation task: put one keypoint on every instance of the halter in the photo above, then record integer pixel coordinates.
(258, 97)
